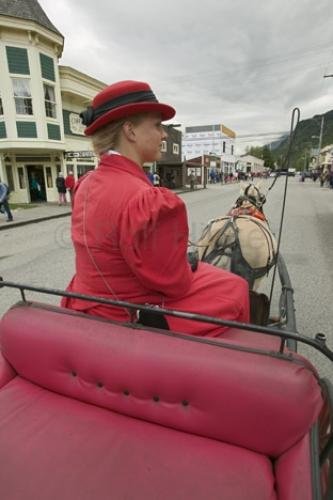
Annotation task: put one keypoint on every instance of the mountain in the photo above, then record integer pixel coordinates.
(275, 144)
(306, 141)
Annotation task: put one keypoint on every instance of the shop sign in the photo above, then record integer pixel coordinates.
(75, 124)
(79, 154)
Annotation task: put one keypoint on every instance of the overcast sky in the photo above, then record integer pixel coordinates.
(243, 63)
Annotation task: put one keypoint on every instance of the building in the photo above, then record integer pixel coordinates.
(205, 168)
(170, 167)
(216, 140)
(250, 164)
(77, 90)
(40, 101)
(326, 158)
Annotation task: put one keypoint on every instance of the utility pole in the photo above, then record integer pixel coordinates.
(320, 139)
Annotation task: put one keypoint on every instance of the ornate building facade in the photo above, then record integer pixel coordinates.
(40, 130)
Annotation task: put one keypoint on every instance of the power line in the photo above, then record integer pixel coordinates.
(261, 134)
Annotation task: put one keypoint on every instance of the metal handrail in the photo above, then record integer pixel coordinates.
(318, 343)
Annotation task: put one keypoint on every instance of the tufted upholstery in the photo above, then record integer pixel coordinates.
(251, 406)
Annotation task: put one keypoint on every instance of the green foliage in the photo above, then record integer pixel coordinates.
(306, 139)
(267, 157)
(264, 153)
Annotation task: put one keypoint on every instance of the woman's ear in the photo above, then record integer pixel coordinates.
(128, 129)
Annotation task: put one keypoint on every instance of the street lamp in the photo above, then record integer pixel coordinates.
(320, 137)
(306, 154)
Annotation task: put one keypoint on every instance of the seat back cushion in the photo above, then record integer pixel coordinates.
(262, 402)
(293, 472)
(56, 448)
(6, 371)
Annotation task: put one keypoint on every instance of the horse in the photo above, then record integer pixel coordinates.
(241, 241)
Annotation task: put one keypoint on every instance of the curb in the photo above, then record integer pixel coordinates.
(33, 221)
(190, 190)
(4, 227)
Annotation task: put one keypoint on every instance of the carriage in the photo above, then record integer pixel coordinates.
(92, 409)
(95, 409)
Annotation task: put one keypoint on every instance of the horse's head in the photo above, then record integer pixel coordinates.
(251, 193)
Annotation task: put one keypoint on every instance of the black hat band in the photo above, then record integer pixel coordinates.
(90, 114)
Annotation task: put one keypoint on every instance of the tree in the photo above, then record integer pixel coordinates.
(267, 157)
(255, 151)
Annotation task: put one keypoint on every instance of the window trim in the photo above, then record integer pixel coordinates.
(164, 147)
(175, 148)
(53, 104)
(22, 97)
(9, 49)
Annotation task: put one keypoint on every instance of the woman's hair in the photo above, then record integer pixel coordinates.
(107, 137)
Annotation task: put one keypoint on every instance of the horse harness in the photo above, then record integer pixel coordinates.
(238, 264)
(250, 210)
(248, 204)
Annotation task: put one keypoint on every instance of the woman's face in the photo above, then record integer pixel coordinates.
(149, 135)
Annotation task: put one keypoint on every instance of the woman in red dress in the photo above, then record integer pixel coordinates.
(130, 237)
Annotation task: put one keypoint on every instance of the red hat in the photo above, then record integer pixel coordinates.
(120, 100)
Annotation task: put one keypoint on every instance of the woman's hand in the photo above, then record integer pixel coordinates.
(193, 260)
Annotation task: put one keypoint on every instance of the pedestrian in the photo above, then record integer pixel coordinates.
(331, 177)
(156, 179)
(70, 183)
(4, 205)
(35, 188)
(130, 238)
(61, 187)
(150, 176)
(192, 181)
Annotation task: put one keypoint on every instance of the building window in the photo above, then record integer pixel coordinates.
(83, 169)
(164, 146)
(18, 62)
(175, 148)
(50, 102)
(3, 133)
(47, 67)
(21, 178)
(53, 132)
(232, 149)
(26, 129)
(22, 96)
(223, 147)
(1, 107)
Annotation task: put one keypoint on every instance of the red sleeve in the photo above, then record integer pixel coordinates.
(153, 241)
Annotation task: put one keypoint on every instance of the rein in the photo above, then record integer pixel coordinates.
(295, 116)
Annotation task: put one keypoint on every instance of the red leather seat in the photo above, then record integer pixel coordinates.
(95, 410)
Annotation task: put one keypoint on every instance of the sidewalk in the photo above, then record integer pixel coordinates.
(46, 211)
(43, 211)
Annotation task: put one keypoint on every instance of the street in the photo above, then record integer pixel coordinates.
(41, 254)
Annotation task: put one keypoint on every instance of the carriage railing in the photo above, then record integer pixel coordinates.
(286, 303)
(318, 342)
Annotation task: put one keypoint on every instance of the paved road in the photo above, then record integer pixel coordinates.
(41, 254)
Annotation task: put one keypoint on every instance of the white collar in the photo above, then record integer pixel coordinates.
(113, 152)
